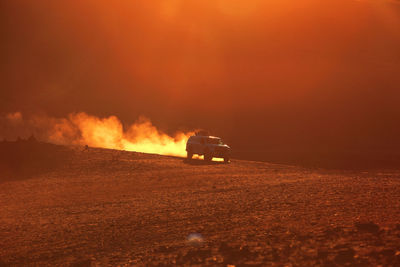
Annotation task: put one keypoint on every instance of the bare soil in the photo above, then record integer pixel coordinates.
(106, 207)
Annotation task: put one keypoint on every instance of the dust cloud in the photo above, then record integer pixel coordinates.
(83, 129)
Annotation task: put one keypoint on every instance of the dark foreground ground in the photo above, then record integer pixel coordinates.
(104, 207)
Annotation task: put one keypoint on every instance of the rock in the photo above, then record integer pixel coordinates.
(194, 256)
(345, 256)
(3, 264)
(368, 227)
(322, 254)
(82, 263)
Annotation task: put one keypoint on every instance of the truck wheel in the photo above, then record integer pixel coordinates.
(207, 157)
(189, 154)
(226, 160)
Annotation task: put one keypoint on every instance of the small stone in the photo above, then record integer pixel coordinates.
(345, 256)
(368, 227)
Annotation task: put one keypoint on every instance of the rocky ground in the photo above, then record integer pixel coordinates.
(105, 207)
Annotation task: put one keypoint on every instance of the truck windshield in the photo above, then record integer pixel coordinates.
(214, 141)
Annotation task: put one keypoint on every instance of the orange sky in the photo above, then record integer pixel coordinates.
(290, 72)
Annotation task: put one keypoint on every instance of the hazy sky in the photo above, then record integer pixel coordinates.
(260, 73)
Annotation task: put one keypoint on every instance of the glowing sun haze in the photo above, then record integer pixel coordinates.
(261, 74)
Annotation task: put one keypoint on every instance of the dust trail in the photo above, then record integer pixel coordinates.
(83, 129)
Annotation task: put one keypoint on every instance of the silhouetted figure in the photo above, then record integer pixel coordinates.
(32, 139)
(202, 133)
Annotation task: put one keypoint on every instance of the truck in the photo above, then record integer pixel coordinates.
(208, 146)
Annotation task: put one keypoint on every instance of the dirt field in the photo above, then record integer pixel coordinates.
(105, 207)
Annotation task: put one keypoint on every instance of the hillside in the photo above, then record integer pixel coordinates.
(107, 207)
